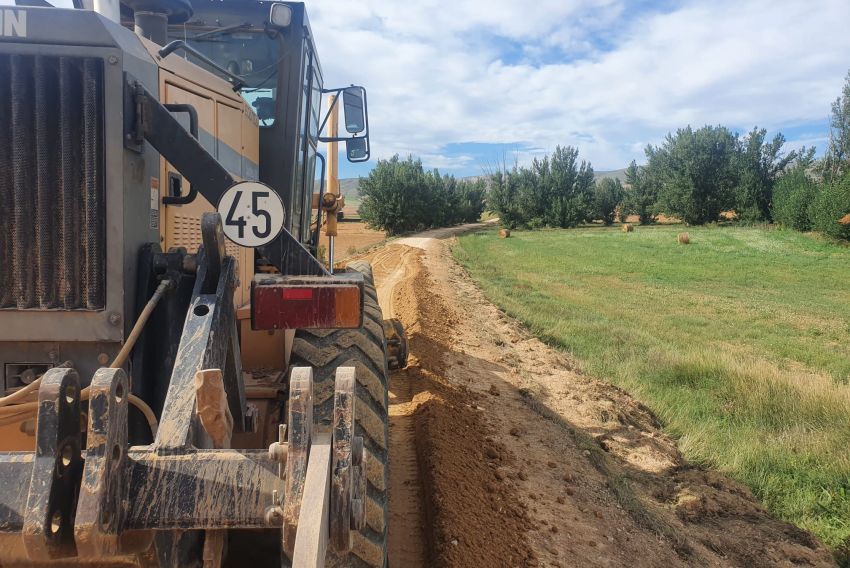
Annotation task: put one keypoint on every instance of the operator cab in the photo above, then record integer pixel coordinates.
(267, 50)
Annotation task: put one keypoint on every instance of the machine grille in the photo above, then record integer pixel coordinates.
(52, 203)
(186, 233)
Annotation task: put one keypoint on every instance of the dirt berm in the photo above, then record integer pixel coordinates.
(503, 455)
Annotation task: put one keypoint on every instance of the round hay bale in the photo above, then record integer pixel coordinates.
(628, 228)
(504, 233)
(683, 239)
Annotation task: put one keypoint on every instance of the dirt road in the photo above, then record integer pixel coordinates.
(354, 237)
(503, 455)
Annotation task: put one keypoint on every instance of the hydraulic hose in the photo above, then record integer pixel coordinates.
(139, 325)
(11, 411)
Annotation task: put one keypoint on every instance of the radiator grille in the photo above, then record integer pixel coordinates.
(52, 204)
(186, 233)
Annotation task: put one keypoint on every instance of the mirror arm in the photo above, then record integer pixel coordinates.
(339, 139)
(337, 92)
(328, 114)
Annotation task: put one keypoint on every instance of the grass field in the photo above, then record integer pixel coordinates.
(353, 202)
(740, 342)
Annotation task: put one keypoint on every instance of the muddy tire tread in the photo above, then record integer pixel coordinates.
(365, 348)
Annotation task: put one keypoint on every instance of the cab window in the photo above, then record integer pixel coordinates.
(251, 54)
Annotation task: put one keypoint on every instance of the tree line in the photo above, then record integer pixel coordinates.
(695, 175)
(816, 195)
(400, 196)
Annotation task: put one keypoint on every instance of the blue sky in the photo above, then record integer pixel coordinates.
(469, 83)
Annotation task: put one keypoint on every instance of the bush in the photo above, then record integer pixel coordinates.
(831, 204)
(699, 174)
(607, 196)
(400, 196)
(395, 196)
(793, 195)
(504, 199)
(556, 191)
(836, 162)
(759, 165)
(471, 198)
(640, 195)
(695, 172)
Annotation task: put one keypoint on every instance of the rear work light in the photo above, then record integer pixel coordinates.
(307, 302)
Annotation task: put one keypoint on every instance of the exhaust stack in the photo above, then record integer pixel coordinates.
(153, 16)
(152, 25)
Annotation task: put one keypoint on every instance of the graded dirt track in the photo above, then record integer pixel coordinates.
(503, 455)
(354, 237)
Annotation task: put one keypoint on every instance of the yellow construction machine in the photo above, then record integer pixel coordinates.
(183, 382)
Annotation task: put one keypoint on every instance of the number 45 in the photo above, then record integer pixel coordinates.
(256, 210)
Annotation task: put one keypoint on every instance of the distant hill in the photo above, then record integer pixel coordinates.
(616, 174)
(349, 187)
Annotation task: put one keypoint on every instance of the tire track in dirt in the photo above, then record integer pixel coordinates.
(391, 265)
(443, 454)
(406, 536)
(520, 460)
(407, 546)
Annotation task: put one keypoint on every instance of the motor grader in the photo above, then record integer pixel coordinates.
(184, 382)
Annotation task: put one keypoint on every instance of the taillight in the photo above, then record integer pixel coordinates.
(298, 294)
(304, 302)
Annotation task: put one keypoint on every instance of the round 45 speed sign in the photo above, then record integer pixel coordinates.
(251, 213)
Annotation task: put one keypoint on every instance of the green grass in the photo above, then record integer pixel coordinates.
(353, 202)
(740, 342)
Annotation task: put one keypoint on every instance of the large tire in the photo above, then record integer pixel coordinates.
(364, 349)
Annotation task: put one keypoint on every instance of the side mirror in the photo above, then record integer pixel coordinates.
(356, 116)
(280, 15)
(357, 149)
(354, 109)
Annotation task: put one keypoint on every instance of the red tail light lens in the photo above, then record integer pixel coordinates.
(297, 302)
(297, 293)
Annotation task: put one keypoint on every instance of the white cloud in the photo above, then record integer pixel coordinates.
(447, 163)
(580, 72)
